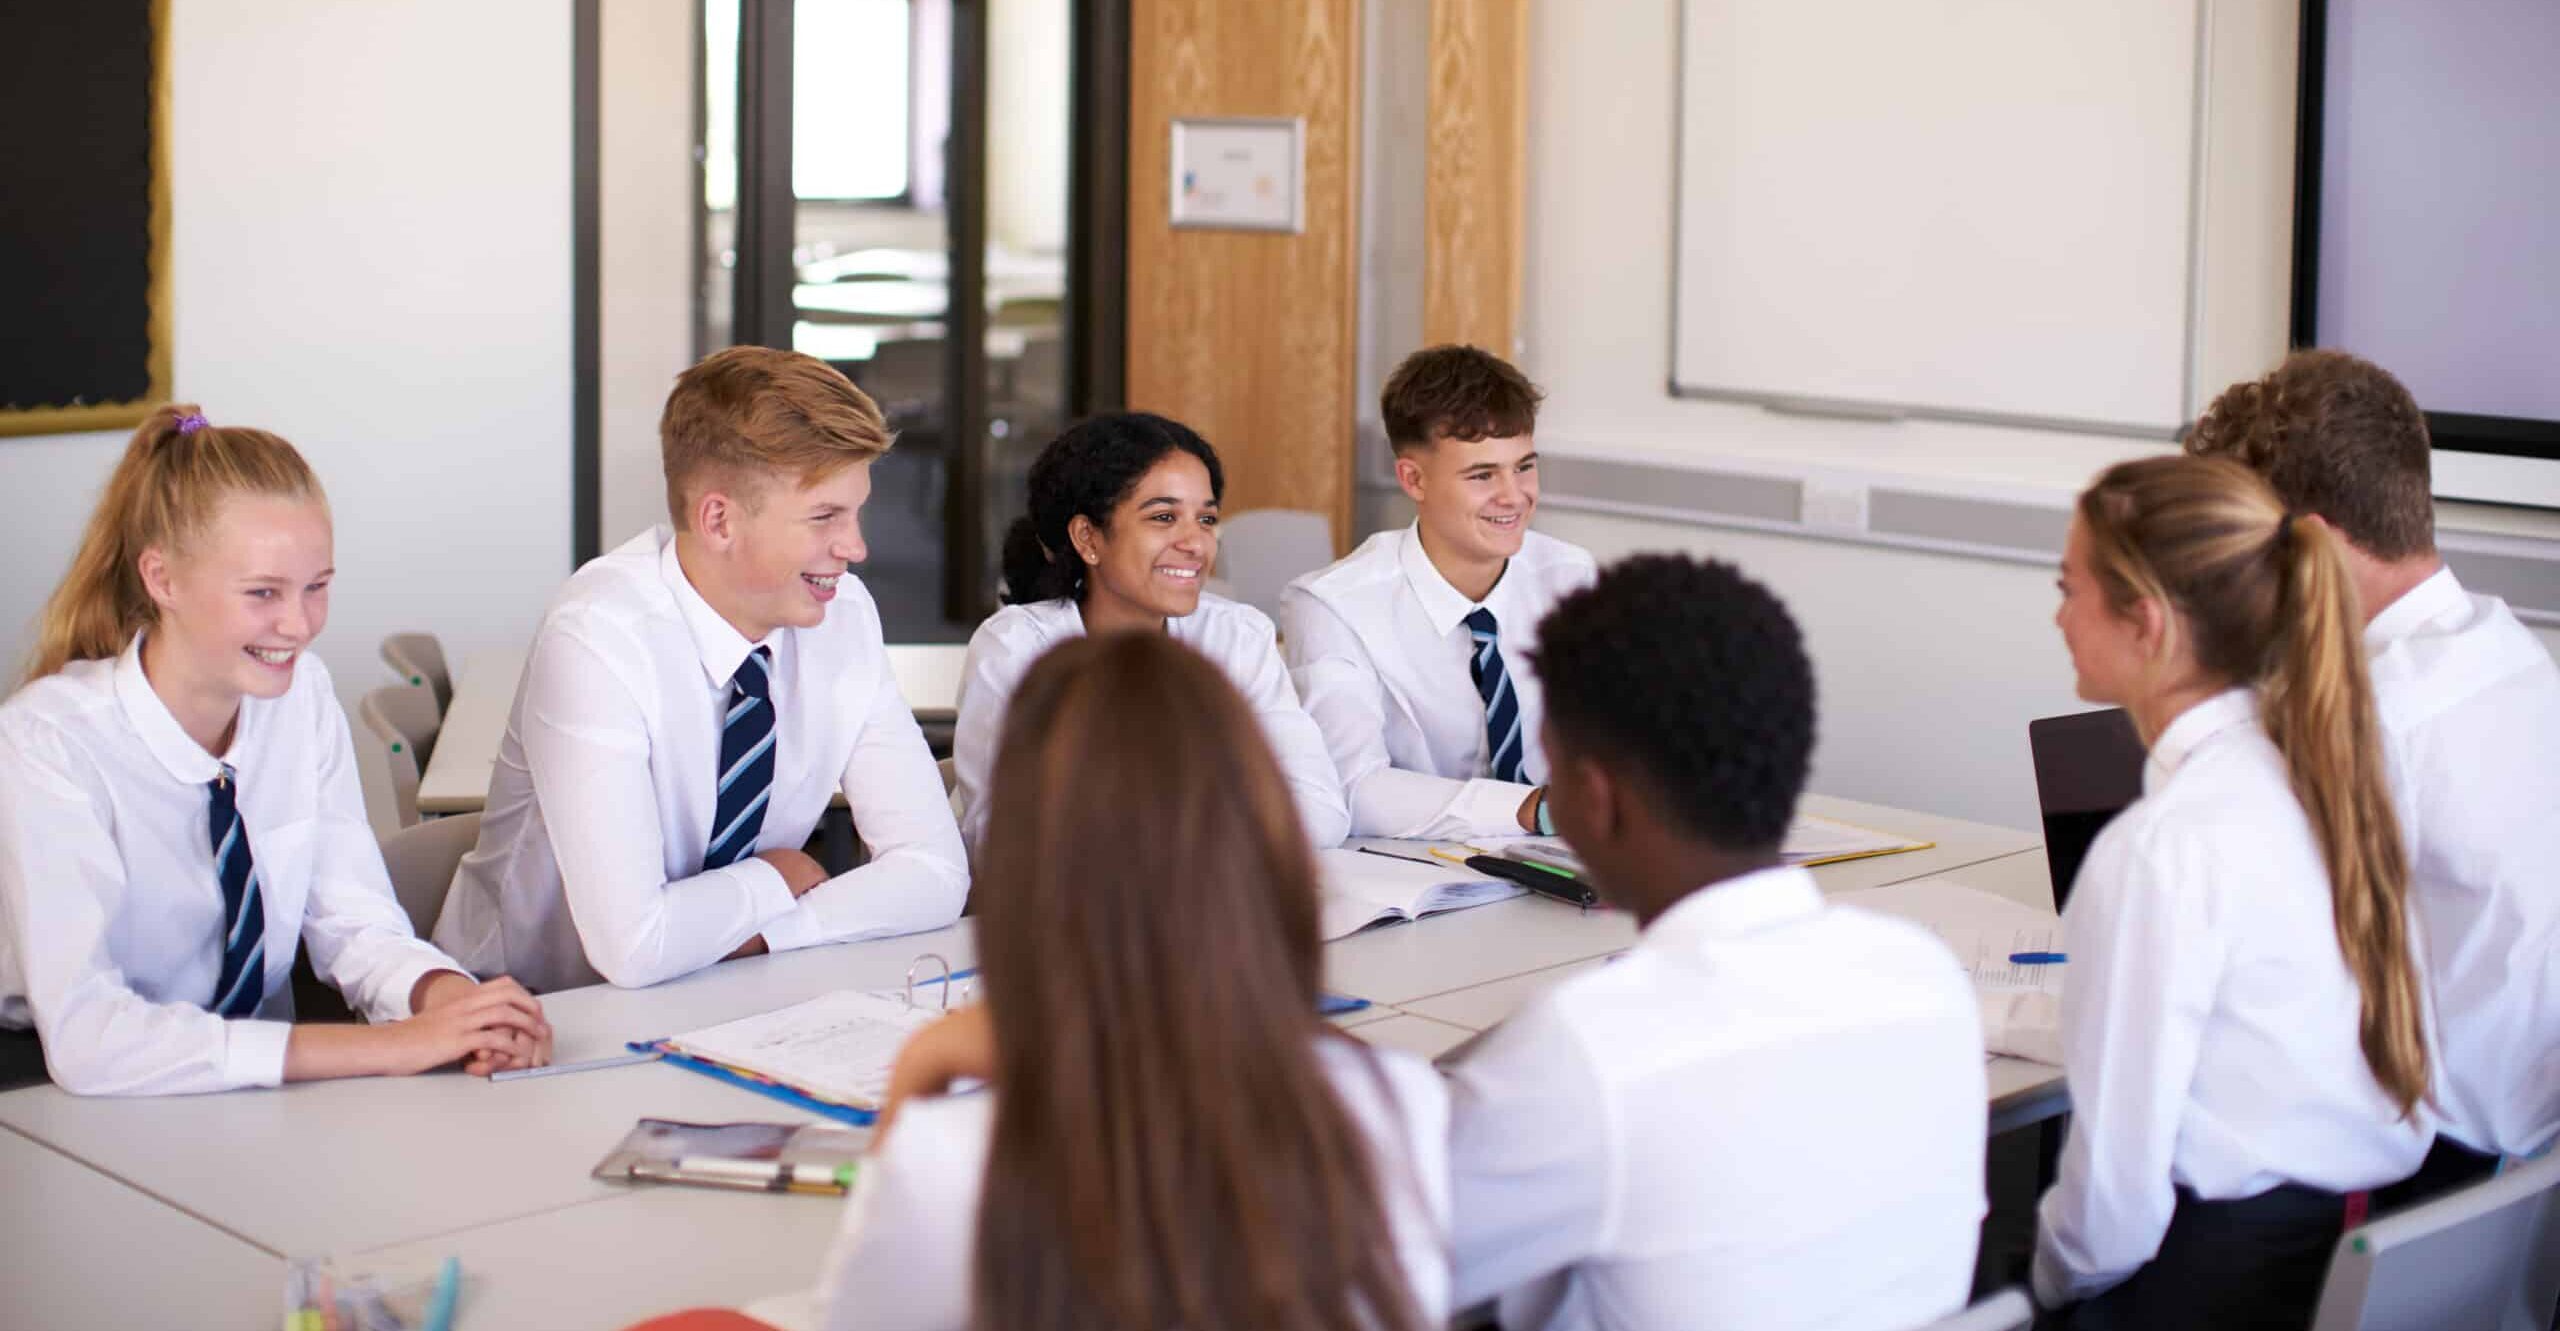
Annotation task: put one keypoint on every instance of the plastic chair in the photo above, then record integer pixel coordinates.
(404, 715)
(419, 660)
(2485, 1257)
(1259, 552)
(422, 861)
(384, 747)
(2008, 1310)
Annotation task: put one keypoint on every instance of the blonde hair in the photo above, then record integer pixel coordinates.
(2268, 601)
(748, 412)
(164, 492)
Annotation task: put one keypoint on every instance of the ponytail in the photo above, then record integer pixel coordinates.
(1033, 572)
(164, 490)
(2317, 700)
(2268, 599)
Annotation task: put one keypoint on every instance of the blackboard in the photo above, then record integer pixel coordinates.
(84, 328)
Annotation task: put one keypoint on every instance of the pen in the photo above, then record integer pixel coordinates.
(2036, 958)
(767, 1175)
(440, 1308)
(1544, 882)
(590, 1065)
(1391, 855)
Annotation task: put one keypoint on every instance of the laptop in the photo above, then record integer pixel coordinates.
(2088, 768)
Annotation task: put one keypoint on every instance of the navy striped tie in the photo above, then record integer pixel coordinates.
(746, 764)
(1501, 705)
(242, 984)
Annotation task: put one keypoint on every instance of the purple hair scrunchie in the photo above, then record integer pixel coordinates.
(191, 422)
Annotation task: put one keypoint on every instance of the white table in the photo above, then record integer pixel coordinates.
(394, 1174)
(475, 722)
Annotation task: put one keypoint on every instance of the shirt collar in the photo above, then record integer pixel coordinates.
(1762, 899)
(1442, 604)
(2439, 595)
(719, 645)
(183, 758)
(2223, 711)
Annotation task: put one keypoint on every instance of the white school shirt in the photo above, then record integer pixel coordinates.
(905, 1256)
(1237, 637)
(2470, 705)
(1379, 647)
(111, 913)
(600, 809)
(1769, 1114)
(2209, 1022)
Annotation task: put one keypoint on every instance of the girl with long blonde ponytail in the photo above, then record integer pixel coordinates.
(2242, 1026)
(179, 808)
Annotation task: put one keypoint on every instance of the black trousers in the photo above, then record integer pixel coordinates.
(21, 1060)
(2255, 1264)
(2448, 1166)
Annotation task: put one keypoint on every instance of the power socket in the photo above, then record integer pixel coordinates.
(1832, 504)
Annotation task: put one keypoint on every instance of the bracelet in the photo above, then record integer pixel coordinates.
(1544, 817)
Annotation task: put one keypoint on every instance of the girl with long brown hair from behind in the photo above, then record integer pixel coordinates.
(179, 808)
(1175, 1138)
(2241, 1021)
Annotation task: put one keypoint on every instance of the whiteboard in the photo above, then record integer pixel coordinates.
(1969, 209)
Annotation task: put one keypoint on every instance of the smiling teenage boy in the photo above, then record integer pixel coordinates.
(1412, 652)
(692, 701)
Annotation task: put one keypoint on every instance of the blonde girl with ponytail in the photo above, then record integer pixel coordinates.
(179, 808)
(2242, 1026)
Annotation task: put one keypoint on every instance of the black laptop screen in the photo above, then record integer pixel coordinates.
(2088, 768)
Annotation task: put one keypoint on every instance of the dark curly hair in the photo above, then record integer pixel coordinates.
(2335, 435)
(1089, 470)
(1694, 677)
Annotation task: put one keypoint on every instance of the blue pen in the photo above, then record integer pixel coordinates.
(440, 1307)
(2037, 958)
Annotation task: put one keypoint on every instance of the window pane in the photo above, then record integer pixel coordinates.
(849, 99)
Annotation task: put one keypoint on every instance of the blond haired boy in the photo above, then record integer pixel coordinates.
(692, 701)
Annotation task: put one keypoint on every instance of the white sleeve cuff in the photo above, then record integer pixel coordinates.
(767, 894)
(1492, 808)
(796, 928)
(253, 1052)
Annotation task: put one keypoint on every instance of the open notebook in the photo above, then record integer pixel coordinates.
(831, 1055)
(1362, 889)
(1810, 841)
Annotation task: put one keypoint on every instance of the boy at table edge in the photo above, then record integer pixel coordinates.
(1770, 1112)
(692, 701)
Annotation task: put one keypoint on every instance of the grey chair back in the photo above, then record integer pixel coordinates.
(2485, 1257)
(1260, 551)
(419, 660)
(422, 861)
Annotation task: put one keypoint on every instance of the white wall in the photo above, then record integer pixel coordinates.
(647, 182)
(370, 256)
(1929, 665)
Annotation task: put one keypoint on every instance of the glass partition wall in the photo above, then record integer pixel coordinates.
(885, 185)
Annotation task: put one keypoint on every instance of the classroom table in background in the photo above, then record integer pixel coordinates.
(475, 722)
(396, 1173)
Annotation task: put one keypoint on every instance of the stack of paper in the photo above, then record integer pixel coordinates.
(836, 1049)
(1812, 841)
(2020, 1003)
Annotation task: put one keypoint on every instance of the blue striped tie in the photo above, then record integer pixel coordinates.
(746, 765)
(243, 982)
(1501, 705)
